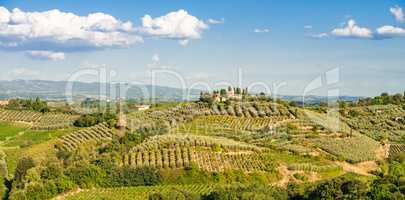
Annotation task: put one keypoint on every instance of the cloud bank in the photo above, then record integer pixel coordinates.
(55, 30)
(179, 25)
(46, 55)
(263, 30)
(216, 21)
(50, 34)
(350, 29)
(390, 32)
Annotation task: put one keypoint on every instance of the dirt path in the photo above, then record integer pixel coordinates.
(67, 194)
(363, 168)
(382, 153)
(286, 176)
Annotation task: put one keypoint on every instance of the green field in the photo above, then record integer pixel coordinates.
(8, 130)
(24, 142)
(30, 137)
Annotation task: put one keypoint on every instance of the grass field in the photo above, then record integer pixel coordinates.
(35, 137)
(8, 130)
(19, 141)
(38, 152)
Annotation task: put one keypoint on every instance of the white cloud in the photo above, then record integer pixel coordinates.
(46, 55)
(390, 32)
(398, 13)
(216, 21)
(265, 30)
(351, 30)
(156, 63)
(63, 32)
(155, 58)
(308, 27)
(178, 25)
(55, 30)
(320, 35)
(184, 42)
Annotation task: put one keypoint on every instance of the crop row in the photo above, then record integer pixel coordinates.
(19, 116)
(169, 117)
(96, 133)
(40, 121)
(173, 140)
(242, 123)
(141, 192)
(187, 112)
(249, 110)
(314, 168)
(377, 121)
(52, 121)
(206, 160)
(396, 149)
(352, 149)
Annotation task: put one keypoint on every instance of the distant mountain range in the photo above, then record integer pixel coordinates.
(312, 99)
(56, 90)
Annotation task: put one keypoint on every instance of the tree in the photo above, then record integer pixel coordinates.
(96, 118)
(23, 165)
(238, 91)
(222, 92)
(86, 175)
(255, 191)
(127, 176)
(353, 189)
(207, 98)
(397, 98)
(29, 104)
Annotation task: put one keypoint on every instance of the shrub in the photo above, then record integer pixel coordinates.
(95, 118)
(23, 165)
(29, 104)
(128, 176)
(247, 192)
(86, 175)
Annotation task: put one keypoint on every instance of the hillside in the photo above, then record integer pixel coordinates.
(194, 148)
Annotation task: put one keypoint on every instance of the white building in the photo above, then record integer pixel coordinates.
(142, 107)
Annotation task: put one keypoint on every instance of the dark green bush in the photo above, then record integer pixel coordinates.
(96, 118)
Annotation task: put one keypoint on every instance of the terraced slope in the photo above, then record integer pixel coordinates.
(138, 193)
(378, 122)
(39, 121)
(396, 149)
(19, 116)
(52, 121)
(353, 149)
(98, 133)
(188, 111)
(172, 140)
(250, 110)
(240, 123)
(207, 153)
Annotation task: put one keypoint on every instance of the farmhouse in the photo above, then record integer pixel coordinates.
(231, 94)
(142, 107)
(3, 102)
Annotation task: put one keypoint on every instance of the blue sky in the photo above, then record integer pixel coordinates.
(270, 41)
